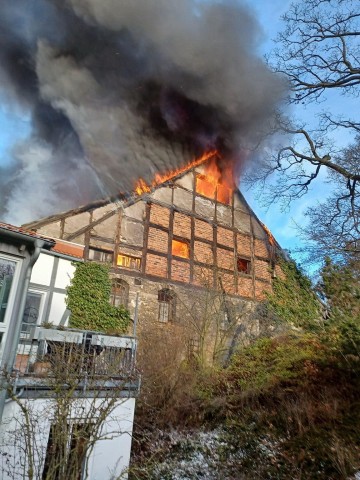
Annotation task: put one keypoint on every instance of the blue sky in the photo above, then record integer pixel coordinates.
(15, 126)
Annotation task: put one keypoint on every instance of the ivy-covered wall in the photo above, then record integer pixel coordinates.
(88, 300)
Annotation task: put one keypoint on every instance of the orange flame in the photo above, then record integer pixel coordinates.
(142, 187)
(269, 234)
(214, 183)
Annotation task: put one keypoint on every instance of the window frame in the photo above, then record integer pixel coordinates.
(43, 295)
(102, 251)
(183, 242)
(131, 258)
(248, 267)
(11, 298)
(122, 295)
(167, 306)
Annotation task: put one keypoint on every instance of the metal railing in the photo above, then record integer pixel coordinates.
(47, 352)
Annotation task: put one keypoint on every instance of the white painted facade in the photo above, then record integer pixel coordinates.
(45, 303)
(50, 277)
(108, 460)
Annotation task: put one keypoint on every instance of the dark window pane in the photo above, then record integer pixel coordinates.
(100, 255)
(243, 265)
(32, 310)
(167, 305)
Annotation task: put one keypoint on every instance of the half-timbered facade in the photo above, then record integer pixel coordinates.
(181, 236)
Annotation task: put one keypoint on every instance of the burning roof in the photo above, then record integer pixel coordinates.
(119, 90)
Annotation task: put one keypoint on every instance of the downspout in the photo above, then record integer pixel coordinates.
(15, 339)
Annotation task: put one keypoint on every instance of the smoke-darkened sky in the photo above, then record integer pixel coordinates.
(121, 89)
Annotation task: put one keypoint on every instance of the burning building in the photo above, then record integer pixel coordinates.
(188, 232)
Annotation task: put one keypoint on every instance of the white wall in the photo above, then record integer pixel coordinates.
(50, 277)
(109, 458)
(64, 274)
(41, 272)
(57, 308)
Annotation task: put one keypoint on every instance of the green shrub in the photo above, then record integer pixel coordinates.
(293, 300)
(272, 361)
(88, 300)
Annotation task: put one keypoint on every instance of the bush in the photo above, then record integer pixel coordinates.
(293, 300)
(88, 299)
(271, 361)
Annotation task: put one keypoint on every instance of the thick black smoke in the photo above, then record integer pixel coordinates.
(119, 89)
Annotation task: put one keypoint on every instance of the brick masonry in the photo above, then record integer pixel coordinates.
(180, 271)
(203, 252)
(156, 265)
(159, 215)
(203, 230)
(225, 237)
(158, 240)
(243, 245)
(182, 225)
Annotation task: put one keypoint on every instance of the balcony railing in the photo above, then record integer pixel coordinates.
(48, 355)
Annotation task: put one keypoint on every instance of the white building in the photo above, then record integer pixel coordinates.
(67, 394)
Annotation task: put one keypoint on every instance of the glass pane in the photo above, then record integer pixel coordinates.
(7, 270)
(32, 310)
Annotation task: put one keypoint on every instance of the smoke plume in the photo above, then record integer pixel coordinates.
(121, 89)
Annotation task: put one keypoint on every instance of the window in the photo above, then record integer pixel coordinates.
(100, 255)
(167, 305)
(119, 292)
(243, 265)
(9, 276)
(180, 249)
(127, 261)
(33, 306)
(66, 451)
(7, 271)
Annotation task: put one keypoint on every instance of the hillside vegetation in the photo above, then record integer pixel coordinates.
(285, 407)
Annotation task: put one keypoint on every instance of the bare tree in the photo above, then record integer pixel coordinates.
(52, 437)
(319, 53)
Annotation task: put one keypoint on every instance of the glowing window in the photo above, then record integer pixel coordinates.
(180, 249)
(127, 261)
(243, 265)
